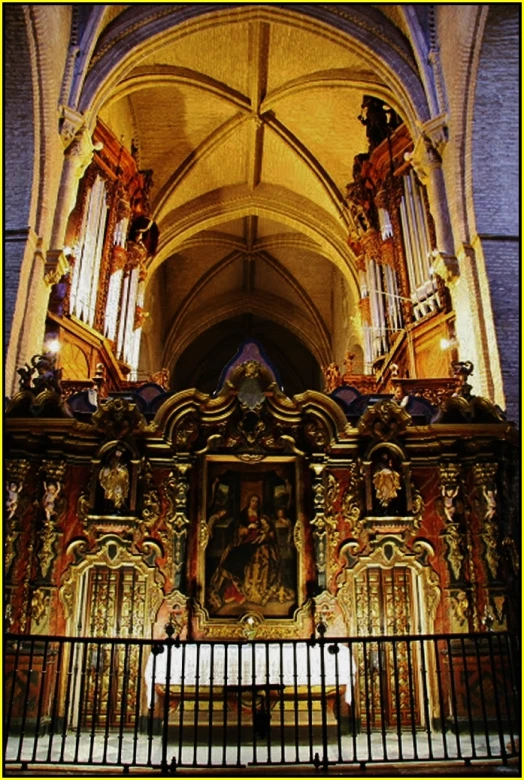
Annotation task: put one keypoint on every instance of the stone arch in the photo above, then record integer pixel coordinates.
(314, 338)
(21, 100)
(297, 367)
(364, 29)
(34, 155)
(209, 211)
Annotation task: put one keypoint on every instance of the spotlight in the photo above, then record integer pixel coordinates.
(448, 344)
(52, 346)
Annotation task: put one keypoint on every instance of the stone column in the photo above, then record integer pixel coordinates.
(78, 154)
(427, 162)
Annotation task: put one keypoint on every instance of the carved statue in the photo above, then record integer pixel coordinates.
(48, 377)
(52, 491)
(161, 378)
(13, 493)
(386, 482)
(449, 503)
(462, 370)
(378, 120)
(114, 478)
(332, 377)
(490, 496)
(26, 372)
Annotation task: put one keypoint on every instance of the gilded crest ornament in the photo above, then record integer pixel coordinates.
(384, 420)
(118, 418)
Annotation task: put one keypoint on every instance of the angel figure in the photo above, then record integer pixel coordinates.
(449, 504)
(52, 490)
(13, 494)
(490, 496)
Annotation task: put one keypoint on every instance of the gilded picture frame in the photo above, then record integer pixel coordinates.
(251, 540)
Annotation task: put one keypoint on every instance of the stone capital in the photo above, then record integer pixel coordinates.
(71, 122)
(446, 266)
(436, 130)
(56, 265)
(79, 152)
(429, 146)
(466, 252)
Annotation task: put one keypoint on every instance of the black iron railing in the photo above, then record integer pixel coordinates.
(96, 702)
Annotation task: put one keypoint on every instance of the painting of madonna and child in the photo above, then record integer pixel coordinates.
(251, 558)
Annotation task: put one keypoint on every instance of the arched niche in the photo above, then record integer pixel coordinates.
(88, 590)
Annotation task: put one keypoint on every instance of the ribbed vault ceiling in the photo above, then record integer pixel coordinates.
(248, 119)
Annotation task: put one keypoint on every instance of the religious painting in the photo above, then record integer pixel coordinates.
(251, 559)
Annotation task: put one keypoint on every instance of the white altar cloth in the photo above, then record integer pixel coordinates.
(257, 664)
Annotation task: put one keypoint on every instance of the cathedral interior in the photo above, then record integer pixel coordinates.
(261, 287)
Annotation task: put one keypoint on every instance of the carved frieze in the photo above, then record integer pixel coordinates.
(352, 504)
(40, 602)
(461, 608)
(264, 628)
(318, 521)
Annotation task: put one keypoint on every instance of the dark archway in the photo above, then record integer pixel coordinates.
(201, 364)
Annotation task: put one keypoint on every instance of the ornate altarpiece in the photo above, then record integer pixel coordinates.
(372, 516)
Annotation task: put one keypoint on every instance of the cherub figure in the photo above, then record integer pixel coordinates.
(449, 494)
(490, 496)
(52, 490)
(13, 494)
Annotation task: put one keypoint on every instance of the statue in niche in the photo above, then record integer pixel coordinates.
(114, 478)
(386, 481)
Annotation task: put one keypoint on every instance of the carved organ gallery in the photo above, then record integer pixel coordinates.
(248, 501)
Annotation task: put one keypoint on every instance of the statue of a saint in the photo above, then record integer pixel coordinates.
(114, 478)
(387, 482)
